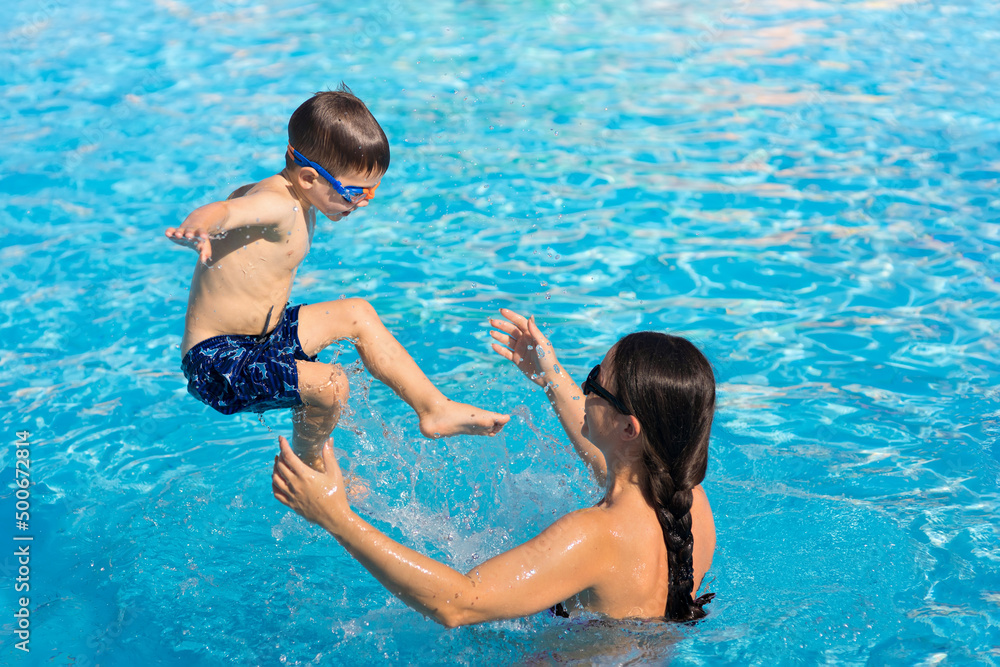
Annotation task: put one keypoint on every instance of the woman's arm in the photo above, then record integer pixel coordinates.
(522, 342)
(565, 559)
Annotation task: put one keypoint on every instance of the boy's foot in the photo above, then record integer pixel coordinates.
(357, 488)
(451, 418)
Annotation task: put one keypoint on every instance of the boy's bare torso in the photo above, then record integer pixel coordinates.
(246, 285)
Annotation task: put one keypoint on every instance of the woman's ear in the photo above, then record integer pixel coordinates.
(632, 429)
(631, 444)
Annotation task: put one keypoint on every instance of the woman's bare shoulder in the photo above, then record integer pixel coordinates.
(589, 529)
(701, 510)
(585, 520)
(703, 531)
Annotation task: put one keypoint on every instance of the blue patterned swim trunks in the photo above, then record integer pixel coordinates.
(235, 373)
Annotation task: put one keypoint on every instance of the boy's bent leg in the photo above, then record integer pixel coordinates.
(322, 323)
(324, 391)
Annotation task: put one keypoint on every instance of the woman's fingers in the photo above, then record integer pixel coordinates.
(505, 327)
(278, 474)
(279, 487)
(288, 457)
(504, 339)
(503, 352)
(329, 459)
(506, 323)
(518, 320)
(284, 500)
(535, 332)
(281, 468)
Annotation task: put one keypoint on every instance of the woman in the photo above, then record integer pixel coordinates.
(640, 552)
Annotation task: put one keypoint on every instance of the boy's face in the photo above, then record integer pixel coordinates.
(332, 203)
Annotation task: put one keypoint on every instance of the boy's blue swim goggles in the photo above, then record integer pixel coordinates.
(350, 193)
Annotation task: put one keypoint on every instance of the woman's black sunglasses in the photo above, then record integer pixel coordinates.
(590, 385)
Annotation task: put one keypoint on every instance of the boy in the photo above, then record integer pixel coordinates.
(243, 348)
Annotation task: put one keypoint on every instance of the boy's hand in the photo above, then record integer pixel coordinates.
(198, 240)
(196, 230)
(522, 342)
(319, 497)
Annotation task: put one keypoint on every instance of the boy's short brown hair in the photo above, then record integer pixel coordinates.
(336, 130)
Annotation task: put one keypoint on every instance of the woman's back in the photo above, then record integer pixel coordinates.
(634, 556)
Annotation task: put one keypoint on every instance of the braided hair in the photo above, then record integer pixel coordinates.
(668, 384)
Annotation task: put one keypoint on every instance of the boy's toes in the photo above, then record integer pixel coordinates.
(499, 421)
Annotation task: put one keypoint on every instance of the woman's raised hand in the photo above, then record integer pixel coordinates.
(522, 342)
(318, 497)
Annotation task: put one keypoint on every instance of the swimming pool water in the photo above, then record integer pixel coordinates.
(807, 190)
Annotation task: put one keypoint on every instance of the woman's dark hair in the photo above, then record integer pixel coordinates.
(336, 130)
(668, 384)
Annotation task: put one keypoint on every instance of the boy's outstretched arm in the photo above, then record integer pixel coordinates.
(263, 209)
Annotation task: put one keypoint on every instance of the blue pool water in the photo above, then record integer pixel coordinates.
(808, 190)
